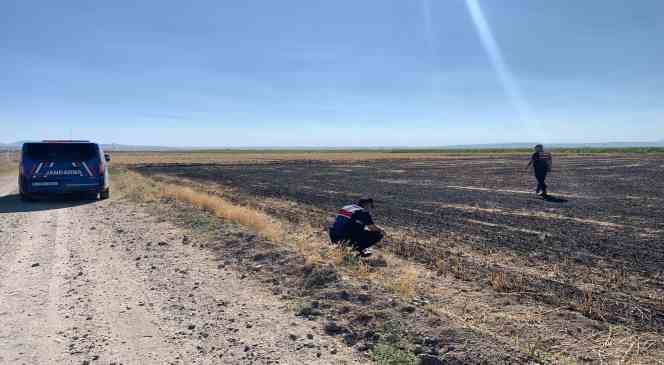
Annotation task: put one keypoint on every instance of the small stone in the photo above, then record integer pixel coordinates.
(293, 337)
(310, 336)
(332, 328)
(408, 309)
(162, 243)
(191, 327)
(35, 264)
(350, 339)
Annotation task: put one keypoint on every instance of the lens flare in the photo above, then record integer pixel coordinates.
(507, 79)
(428, 27)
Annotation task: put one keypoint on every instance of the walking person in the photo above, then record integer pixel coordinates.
(542, 163)
(355, 227)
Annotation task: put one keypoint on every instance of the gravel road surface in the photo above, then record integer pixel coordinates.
(88, 282)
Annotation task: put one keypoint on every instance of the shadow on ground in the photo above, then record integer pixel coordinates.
(554, 199)
(13, 203)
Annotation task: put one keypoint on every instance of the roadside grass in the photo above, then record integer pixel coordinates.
(140, 188)
(256, 220)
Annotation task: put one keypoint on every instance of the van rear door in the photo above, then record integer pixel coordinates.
(61, 163)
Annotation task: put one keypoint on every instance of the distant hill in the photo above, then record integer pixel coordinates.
(124, 147)
(14, 146)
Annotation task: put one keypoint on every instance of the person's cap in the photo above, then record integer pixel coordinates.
(365, 199)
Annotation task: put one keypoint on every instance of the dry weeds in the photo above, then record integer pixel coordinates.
(140, 188)
(221, 157)
(404, 284)
(499, 281)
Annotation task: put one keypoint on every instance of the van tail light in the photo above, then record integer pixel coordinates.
(102, 167)
(21, 170)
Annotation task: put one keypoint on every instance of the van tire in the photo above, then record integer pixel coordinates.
(105, 194)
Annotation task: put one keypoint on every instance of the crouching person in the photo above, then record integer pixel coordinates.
(354, 226)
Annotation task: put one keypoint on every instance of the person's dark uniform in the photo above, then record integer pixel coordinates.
(541, 165)
(349, 228)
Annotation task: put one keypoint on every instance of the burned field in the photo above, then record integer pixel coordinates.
(576, 273)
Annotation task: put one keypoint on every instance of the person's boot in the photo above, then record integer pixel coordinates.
(365, 253)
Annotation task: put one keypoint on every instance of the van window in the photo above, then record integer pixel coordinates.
(61, 151)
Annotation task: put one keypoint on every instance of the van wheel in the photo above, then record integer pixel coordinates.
(105, 194)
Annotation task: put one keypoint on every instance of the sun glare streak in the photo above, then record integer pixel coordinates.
(430, 40)
(428, 26)
(501, 68)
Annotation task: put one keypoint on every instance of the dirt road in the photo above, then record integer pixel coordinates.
(106, 282)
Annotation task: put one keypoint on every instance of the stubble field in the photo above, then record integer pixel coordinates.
(579, 276)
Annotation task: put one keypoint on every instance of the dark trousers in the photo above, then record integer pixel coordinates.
(359, 240)
(540, 175)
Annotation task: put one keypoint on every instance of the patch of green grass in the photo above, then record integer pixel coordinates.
(389, 354)
(303, 309)
(390, 348)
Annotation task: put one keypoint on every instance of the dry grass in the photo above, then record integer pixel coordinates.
(133, 158)
(585, 305)
(144, 189)
(404, 284)
(246, 216)
(499, 281)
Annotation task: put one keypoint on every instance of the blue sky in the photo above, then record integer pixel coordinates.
(332, 73)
